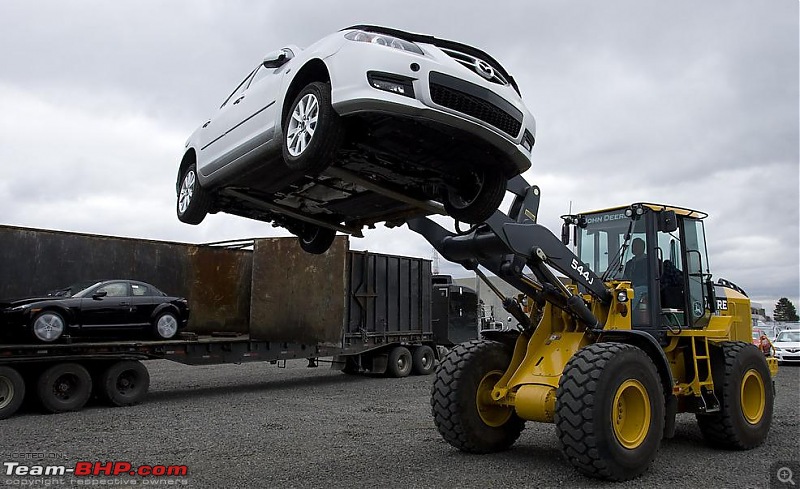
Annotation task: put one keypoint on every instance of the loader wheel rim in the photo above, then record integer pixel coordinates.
(491, 413)
(753, 399)
(631, 414)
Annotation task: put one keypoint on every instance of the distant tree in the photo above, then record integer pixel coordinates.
(785, 311)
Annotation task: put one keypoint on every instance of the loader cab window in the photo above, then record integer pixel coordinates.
(671, 281)
(697, 271)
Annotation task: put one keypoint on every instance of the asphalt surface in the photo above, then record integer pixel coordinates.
(258, 425)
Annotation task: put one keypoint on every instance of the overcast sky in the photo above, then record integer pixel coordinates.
(683, 102)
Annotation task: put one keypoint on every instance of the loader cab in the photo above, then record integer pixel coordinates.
(661, 251)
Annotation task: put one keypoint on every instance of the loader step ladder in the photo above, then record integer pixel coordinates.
(702, 385)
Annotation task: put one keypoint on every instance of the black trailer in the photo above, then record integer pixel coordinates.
(368, 312)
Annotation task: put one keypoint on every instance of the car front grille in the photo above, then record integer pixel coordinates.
(475, 101)
(477, 65)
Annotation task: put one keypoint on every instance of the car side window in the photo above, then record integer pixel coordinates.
(140, 290)
(239, 89)
(114, 289)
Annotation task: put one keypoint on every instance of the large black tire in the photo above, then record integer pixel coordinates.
(468, 367)
(399, 362)
(478, 195)
(124, 383)
(48, 327)
(165, 326)
(312, 130)
(609, 411)
(743, 385)
(12, 391)
(64, 387)
(423, 360)
(315, 239)
(193, 200)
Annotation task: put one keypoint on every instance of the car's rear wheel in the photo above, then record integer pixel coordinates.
(315, 239)
(475, 196)
(48, 326)
(165, 326)
(312, 130)
(193, 200)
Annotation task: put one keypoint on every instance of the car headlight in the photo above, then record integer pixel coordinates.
(383, 40)
(19, 308)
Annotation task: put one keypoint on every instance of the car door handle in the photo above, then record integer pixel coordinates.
(207, 123)
(238, 100)
(124, 303)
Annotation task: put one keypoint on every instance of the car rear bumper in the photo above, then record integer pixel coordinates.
(444, 91)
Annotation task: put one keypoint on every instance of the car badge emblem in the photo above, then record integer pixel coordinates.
(484, 69)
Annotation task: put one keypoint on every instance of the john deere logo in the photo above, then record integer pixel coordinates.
(484, 69)
(697, 309)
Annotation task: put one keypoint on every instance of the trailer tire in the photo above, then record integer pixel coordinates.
(124, 383)
(399, 362)
(423, 361)
(609, 412)
(464, 377)
(742, 383)
(64, 387)
(12, 391)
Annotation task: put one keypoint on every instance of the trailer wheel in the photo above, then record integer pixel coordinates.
(461, 401)
(12, 391)
(312, 130)
(124, 383)
(609, 412)
(742, 383)
(423, 360)
(399, 362)
(64, 387)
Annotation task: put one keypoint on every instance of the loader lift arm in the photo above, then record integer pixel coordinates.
(505, 244)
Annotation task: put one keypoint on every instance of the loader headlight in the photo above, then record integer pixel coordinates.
(622, 296)
(384, 40)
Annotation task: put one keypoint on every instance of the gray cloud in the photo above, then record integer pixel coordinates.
(691, 103)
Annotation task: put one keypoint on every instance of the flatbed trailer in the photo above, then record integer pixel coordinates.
(368, 312)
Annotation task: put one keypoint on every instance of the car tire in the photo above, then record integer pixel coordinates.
(12, 391)
(124, 383)
(193, 202)
(48, 326)
(312, 130)
(166, 326)
(64, 387)
(477, 196)
(316, 239)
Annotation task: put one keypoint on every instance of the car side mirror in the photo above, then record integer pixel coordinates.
(276, 59)
(99, 295)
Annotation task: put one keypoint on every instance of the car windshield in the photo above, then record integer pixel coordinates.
(787, 336)
(86, 288)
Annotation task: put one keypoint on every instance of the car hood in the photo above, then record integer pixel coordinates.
(21, 302)
(441, 43)
(786, 344)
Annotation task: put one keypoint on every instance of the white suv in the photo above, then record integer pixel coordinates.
(367, 125)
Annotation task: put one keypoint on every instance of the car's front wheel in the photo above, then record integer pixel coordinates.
(48, 326)
(315, 239)
(193, 200)
(475, 196)
(312, 130)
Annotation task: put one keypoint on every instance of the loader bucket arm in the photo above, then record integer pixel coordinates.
(504, 245)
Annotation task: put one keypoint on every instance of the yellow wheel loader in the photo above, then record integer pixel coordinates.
(632, 334)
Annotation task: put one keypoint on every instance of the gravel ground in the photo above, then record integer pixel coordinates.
(258, 425)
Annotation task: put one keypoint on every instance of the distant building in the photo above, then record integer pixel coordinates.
(758, 312)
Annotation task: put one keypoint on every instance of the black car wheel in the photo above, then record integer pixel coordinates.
(315, 239)
(475, 196)
(312, 130)
(165, 326)
(48, 326)
(193, 200)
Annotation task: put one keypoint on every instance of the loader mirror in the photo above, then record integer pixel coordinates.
(667, 221)
(565, 233)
